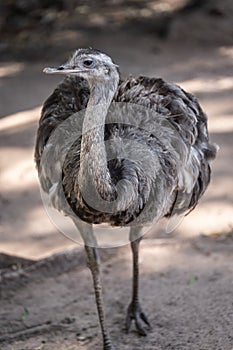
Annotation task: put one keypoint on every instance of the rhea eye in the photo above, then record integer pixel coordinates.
(88, 62)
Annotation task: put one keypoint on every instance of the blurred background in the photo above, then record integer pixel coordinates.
(189, 42)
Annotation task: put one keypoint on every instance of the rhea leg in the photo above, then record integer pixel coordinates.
(134, 311)
(93, 262)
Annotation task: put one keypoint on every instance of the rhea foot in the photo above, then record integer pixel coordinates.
(107, 343)
(135, 312)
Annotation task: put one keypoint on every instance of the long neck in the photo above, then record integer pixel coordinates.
(94, 175)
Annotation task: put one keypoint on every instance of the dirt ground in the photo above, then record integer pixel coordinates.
(186, 290)
(47, 300)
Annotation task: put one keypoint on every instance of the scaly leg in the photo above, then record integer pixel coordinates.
(93, 262)
(134, 311)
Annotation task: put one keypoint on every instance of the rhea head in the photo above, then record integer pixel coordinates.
(90, 64)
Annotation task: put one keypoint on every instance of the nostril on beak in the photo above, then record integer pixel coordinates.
(60, 68)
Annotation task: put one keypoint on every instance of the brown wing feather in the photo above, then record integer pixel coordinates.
(186, 115)
(70, 96)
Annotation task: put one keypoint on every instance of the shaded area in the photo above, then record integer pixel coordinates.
(30, 29)
(195, 313)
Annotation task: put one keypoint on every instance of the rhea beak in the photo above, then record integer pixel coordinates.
(62, 70)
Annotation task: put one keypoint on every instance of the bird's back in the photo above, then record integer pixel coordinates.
(182, 137)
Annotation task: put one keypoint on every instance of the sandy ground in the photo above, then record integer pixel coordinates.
(186, 291)
(187, 278)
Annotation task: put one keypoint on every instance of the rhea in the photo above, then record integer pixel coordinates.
(168, 174)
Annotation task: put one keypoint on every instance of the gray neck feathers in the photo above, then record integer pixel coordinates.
(94, 177)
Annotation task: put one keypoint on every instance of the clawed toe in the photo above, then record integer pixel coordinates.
(135, 312)
(109, 346)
